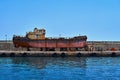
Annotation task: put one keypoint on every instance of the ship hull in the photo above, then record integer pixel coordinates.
(49, 43)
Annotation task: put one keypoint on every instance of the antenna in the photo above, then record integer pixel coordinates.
(6, 37)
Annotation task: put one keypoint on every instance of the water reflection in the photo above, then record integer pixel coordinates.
(42, 62)
(69, 68)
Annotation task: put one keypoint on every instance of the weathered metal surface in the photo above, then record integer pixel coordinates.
(32, 42)
(36, 44)
(50, 44)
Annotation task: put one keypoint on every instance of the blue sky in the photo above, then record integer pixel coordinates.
(98, 19)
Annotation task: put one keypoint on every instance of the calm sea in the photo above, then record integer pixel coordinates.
(69, 68)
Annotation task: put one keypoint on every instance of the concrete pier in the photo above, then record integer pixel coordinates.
(99, 48)
(59, 53)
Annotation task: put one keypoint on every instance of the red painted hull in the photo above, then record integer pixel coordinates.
(49, 43)
(57, 45)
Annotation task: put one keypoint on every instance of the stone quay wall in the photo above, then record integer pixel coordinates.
(93, 46)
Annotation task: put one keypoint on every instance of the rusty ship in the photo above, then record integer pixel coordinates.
(37, 39)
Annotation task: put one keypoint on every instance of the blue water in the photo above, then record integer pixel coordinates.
(50, 68)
